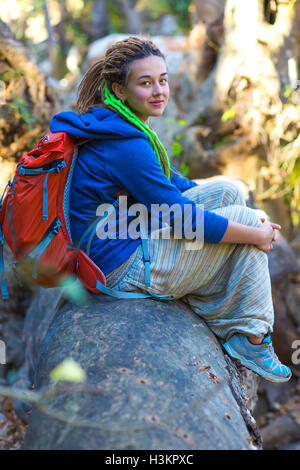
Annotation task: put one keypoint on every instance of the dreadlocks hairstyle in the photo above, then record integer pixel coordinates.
(95, 89)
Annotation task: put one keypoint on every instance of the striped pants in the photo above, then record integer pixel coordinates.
(228, 285)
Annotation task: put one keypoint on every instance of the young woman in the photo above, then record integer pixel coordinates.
(226, 281)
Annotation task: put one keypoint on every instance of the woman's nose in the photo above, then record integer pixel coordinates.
(157, 89)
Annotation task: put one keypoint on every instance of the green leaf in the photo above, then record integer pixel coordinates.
(9, 74)
(178, 136)
(218, 144)
(185, 169)
(229, 114)
(295, 175)
(288, 91)
(68, 370)
(176, 148)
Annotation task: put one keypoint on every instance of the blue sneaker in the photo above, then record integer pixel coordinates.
(260, 358)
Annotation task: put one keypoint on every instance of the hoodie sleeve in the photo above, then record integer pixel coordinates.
(132, 164)
(180, 181)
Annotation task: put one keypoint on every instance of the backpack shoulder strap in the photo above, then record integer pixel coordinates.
(3, 285)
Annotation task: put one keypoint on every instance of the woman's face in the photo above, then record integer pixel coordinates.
(147, 87)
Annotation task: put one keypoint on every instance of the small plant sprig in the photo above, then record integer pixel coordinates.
(20, 108)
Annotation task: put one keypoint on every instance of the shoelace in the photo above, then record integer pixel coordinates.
(273, 356)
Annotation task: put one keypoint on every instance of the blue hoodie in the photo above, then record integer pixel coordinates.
(120, 156)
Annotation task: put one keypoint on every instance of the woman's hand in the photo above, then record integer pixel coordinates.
(268, 235)
(262, 237)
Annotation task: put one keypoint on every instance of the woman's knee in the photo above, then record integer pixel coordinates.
(233, 194)
(240, 214)
(217, 193)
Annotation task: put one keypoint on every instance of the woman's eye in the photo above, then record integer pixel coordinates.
(147, 82)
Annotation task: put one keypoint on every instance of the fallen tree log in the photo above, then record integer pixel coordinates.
(156, 379)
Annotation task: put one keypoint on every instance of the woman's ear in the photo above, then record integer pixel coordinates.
(118, 91)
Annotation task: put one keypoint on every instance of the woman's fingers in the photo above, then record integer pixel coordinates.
(276, 226)
(273, 225)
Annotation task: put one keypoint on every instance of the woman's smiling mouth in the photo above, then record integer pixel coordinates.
(157, 103)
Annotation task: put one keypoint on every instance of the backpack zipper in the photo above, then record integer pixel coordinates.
(37, 251)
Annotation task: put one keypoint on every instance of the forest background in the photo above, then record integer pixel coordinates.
(234, 106)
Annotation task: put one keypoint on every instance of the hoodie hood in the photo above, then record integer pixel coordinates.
(99, 123)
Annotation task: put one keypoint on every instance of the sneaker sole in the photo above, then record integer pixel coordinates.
(250, 365)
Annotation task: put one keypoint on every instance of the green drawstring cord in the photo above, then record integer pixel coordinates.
(111, 100)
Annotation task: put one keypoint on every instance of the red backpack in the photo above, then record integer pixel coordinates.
(34, 217)
(34, 220)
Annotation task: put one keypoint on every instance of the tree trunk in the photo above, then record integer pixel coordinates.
(57, 43)
(133, 19)
(61, 28)
(51, 41)
(99, 26)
